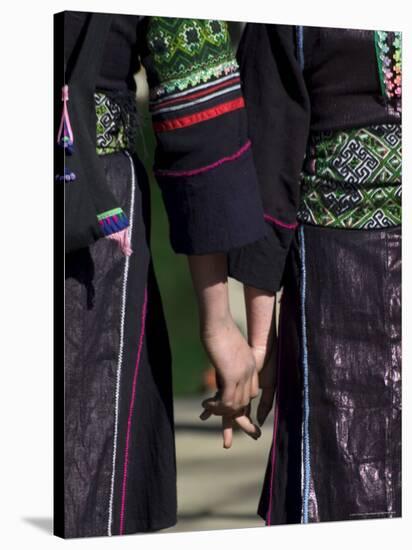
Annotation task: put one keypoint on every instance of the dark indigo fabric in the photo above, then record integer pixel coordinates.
(116, 70)
(196, 146)
(294, 84)
(88, 195)
(342, 77)
(278, 110)
(95, 279)
(353, 327)
(198, 205)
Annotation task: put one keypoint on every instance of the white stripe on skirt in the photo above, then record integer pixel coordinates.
(120, 356)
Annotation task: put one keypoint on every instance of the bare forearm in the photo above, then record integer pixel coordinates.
(228, 351)
(209, 277)
(261, 317)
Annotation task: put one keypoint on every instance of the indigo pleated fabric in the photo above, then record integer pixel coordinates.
(336, 452)
(120, 472)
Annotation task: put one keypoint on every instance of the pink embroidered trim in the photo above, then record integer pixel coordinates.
(196, 171)
(278, 222)
(131, 406)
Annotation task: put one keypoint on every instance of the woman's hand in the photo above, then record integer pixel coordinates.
(242, 419)
(236, 377)
(235, 366)
(261, 327)
(261, 320)
(266, 370)
(230, 354)
(225, 345)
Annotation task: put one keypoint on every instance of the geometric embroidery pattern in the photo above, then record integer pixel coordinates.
(187, 52)
(353, 178)
(111, 133)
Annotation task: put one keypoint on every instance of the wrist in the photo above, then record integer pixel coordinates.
(216, 324)
(261, 318)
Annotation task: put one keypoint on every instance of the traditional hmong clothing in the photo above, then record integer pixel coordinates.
(324, 109)
(119, 455)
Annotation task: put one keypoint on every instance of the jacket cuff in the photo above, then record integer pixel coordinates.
(213, 208)
(261, 264)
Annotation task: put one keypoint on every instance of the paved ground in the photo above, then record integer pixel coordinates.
(217, 488)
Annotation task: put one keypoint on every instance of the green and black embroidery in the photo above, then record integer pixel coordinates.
(187, 52)
(117, 121)
(352, 178)
(110, 129)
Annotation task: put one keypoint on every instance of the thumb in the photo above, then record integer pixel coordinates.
(259, 354)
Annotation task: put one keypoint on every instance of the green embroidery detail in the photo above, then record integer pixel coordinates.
(379, 57)
(186, 52)
(108, 213)
(193, 79)
(110, 130)
(352, 178)
(388, 48)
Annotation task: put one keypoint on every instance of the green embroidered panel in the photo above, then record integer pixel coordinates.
(352, 179)
(110, 130)
(186, 52)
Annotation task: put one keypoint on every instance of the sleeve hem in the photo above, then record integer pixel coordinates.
(262, 264)
(214, 210)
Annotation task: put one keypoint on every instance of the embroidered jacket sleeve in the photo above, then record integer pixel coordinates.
(203, 159)
(278, 112)
(91, 210)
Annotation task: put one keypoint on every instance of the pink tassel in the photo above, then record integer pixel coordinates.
(65, 129)
(122, 238)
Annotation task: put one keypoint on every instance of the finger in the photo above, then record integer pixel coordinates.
(210, 401)
(229, 396)
(253, 390)
(259, 353)
(265, 404)
(214, 405)
(227, 427)
(238, 402)
(246, 394)
(248, 427)
(254, 385)
(222, 404)
(217, 409)
(205, 414)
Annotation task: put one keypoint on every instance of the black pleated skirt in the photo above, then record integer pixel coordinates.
(119, 455)
(336, 452)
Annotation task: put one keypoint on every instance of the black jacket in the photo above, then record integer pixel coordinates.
(203, 159)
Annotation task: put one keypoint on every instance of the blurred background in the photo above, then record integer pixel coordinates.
(217, 488)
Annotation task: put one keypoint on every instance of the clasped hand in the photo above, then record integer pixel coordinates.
(240, 370)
